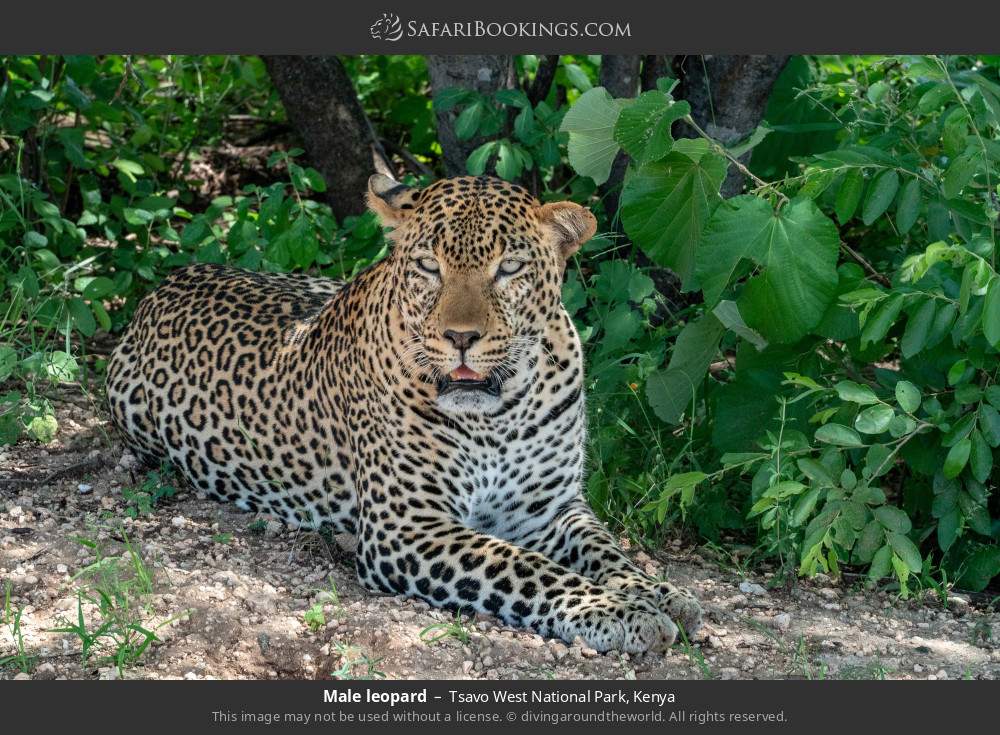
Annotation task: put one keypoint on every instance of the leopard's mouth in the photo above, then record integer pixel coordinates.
(464, 378)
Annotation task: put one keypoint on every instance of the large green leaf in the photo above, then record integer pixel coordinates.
(643, 128)
(797, 249)
(880, 195)
(670, 391)
(666, 205)
(591, 127)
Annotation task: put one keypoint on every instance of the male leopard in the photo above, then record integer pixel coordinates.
(433, 407)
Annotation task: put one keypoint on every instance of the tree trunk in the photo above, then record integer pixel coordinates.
(485, 74)
(323, 107)
(620, 76)
(728, 96)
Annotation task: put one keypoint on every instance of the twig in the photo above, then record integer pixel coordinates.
(90, 463)
(418, 167)
(761, 184)
(866, 265)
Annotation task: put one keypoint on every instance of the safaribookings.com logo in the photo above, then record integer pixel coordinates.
(390, 28)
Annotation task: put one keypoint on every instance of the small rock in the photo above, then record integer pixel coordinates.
(918, 669)
(829, 594)
(782, 621)
(958, 602)
(942, 674)
(62, 568)
(177, 521)
(467, 667)
(83, 488)
(22, 677)
(752, 588)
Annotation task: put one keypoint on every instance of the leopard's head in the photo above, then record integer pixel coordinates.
(479, 265)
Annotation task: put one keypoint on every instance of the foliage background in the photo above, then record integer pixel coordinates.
(805, 372)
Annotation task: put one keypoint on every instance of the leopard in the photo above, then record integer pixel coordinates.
(432, 407)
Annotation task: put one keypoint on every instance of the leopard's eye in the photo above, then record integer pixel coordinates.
(428, 265)
(510, 266)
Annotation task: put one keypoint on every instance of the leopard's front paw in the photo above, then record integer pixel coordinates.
(677, 602)
(623, 623)
(680, 605)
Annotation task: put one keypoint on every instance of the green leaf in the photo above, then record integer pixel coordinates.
(918, 328)
(878, 324)
(908, 207)
(643, 127)
(881, 564)
(130, 169)
(979, 568)
(508, 166)
(475, 165)
(590, 123)
(98, 288)
(874, 420)
(816, 471)
(958, 457)
(670, 391)
(908, 396)
(893, 519)
(468, 121)
(666, 205)
(989, 425)
(804, 506)
(871, 538)
(797, 249)
(959, 174)
(83, 317)
(880, 195)
(43, 428)
(947, 528)
(980, 457)
(728, 313)
(8, 361)
(849, 195)
(839, 435)
(991, 313)
(906, 551)
(850, 391)
(877, 462)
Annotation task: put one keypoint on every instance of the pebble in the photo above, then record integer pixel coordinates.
(752, 588)
(177, 521)
(22, 677)
(62, 568)
(83, 488)
(467, 667)
(782, 621)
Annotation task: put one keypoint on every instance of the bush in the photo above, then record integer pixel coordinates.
(856, 302)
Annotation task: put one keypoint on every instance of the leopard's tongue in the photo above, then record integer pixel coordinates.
(464, 372)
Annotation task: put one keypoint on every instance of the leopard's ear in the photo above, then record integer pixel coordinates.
(568, 225)
(390, 200)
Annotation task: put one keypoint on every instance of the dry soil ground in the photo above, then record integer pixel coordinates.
(250, 599)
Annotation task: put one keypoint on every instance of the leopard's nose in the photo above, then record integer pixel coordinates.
(461, 340)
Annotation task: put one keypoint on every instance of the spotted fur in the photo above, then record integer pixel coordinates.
(322, 403)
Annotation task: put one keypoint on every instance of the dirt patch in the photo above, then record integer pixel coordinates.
(239, 597)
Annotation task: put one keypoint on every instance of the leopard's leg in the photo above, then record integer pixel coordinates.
(451, 566)
(577, 539)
